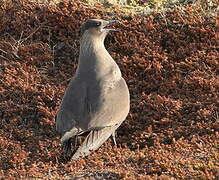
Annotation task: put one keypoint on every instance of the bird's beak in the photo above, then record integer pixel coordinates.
(112, 22)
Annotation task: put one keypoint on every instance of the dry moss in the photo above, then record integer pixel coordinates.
(170, 63)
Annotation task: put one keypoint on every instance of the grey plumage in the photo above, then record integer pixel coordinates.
(97, 98)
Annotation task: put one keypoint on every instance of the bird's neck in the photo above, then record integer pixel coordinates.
(94, 59)
(93, 52)
(91, 45)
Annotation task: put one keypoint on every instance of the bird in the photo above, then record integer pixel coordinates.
(96, 100)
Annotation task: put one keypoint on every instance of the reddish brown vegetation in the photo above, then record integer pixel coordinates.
(170, 64)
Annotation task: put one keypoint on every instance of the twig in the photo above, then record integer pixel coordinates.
(33, 32)
(4, 57)
(217, 117)
(11, 37)
(3, 51)
(18, 43)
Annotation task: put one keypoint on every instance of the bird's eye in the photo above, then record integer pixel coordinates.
(98, 24)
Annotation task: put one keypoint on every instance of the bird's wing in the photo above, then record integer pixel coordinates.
(72, 107)
(93, 141)
(108, 104)
(93, 105)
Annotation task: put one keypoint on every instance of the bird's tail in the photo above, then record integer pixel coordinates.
(93, 141)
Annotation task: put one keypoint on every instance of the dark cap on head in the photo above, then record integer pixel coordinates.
(98, 25)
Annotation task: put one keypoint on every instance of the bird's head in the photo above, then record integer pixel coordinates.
(97, 27)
